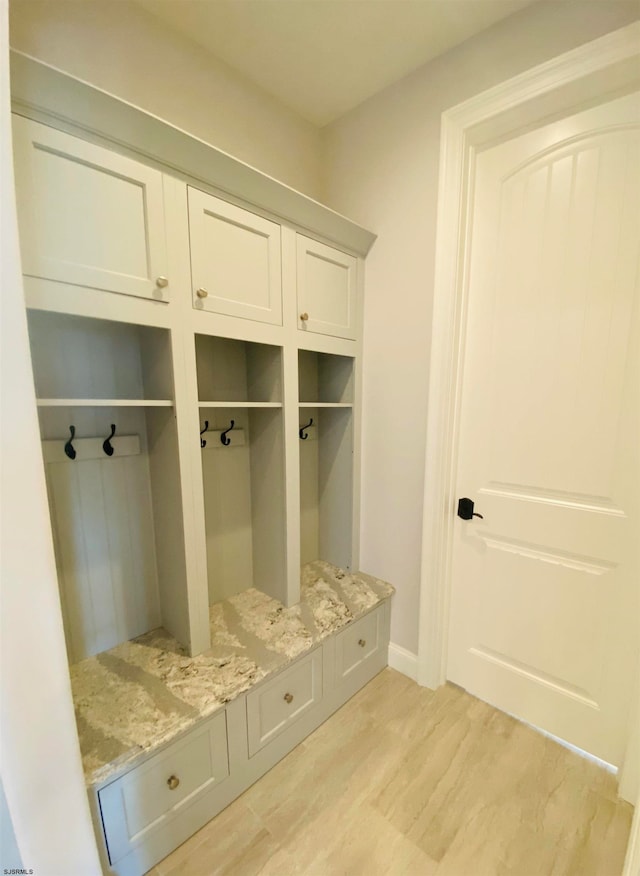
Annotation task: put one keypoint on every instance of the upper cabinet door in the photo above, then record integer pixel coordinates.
(235, 260)
(327, 289)
(88, 216)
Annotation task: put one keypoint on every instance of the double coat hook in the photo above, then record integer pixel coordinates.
(69, 449)
(203, 442)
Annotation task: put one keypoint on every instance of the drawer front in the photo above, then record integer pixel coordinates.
(358, 643)
(277, 704)
(145, 799)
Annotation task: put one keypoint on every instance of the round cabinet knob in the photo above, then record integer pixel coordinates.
(304, 317)
(173, 782)
(362, 643)
(288, 698)
(201, 293)
(162, 282)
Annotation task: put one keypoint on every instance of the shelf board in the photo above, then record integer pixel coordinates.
(104, 403)
(238, 404)
(325, 404)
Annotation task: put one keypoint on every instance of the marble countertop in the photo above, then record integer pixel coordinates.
(141, 694)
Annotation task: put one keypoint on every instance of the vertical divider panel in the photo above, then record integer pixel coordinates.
(290, 415)
(187, 416)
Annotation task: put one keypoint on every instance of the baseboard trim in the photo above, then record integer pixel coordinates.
(403, 661)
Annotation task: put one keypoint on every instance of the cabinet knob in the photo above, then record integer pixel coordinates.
(173, 782)
(201, 293)
(304, 317)
(162, 282)
(288, 698)
(362, 643)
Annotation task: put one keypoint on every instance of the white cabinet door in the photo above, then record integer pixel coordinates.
(88, 216)
(235, 260)
(327, 289)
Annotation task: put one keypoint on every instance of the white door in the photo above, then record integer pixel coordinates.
(236, 261)
(327, 289)
(88, 216)
(544, 609)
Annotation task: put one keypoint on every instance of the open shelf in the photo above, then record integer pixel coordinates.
(94, 361)
(238, 371)
(116, 517)
(324, 378)
(325, 405)
(104, 403)
(326, 485)
(222, 404)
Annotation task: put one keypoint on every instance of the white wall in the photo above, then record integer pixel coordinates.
(381, 169)
(130, 53)
(41, 770)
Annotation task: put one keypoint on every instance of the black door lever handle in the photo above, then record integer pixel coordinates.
(465, 509)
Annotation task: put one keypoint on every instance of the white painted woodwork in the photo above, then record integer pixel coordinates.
(544, 590)
(358, 643)
(238, 371)
(235, 260)
(325, 378)
(88, 216)
(101, 512)
(85, 359)
(244, 504)
(326, 494)
(141, 803)
(283, 700)
(327, 289)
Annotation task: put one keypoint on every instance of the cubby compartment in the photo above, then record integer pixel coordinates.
(244, 499)
(324, 378)
(77, 358)
(326, 485)
(110, 449)
(238, 371)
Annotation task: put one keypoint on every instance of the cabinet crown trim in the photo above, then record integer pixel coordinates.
(48, 95)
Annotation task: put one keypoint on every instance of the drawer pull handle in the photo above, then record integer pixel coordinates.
(162, 282)
(288, 698)
(201, 293)
(362, 642)
(173, 782)
(304, 317)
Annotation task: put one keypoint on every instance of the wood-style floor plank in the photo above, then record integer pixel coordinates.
(404, 781)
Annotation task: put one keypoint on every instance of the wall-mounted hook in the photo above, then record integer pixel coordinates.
(223, 435)
(203, 442)
(107, 446)
(304, 435)
(69, 449)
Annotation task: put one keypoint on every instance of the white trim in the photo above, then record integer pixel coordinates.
(403, 661)
(464, 127)
(632, 860)
(46, 94)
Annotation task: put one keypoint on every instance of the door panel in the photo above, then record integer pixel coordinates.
(88, 216)
(544, 593)
(235, 260)
(327, 289)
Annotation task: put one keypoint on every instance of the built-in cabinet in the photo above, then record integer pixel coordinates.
(196, 365)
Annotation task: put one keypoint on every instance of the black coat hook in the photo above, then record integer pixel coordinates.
(203, 443)
(69, 449)
(304, 435)
(107, 446)
(223, 437)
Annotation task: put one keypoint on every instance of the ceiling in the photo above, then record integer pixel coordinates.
(323, 57)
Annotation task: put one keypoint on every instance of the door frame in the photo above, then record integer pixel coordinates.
(582, 77)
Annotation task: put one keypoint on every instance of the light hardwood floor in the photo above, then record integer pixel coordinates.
(405, 781)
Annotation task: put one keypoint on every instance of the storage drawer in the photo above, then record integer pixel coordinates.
(146, 799)
(358, 644)
(277, 704)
